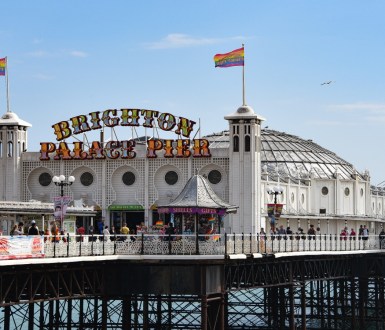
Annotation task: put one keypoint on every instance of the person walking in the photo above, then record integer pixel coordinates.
(124, 231)
(33, 229)
(106, 233)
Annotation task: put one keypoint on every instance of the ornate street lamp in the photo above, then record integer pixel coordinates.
(276, 190)
(59, 181)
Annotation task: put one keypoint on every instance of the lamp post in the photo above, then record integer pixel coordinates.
(276, 190)
(60, 182)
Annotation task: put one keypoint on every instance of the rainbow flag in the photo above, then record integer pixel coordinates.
(234, 58)
(3, 64)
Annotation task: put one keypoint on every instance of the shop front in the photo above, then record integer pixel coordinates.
(132, 215)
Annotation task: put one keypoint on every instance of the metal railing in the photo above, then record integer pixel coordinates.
(224, 244)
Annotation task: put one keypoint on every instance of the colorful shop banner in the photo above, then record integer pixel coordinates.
(274, 209)
(21, 247)
(191, 210)
(60, 207)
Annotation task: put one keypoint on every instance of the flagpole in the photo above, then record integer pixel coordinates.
(6, 81)
(243, 78)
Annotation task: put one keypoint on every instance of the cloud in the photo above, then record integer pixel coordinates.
(368, 112)
(41, 76)
(368, 107)
(37, 41)
(78, 53)
(179, 40)
(38, 53)
(43, 53)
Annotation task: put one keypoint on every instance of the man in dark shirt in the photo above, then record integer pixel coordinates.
(33, 230)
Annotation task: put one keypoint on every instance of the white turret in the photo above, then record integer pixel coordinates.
(245, 165)
(13, 142)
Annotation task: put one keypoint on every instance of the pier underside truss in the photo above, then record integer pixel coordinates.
(335, 292)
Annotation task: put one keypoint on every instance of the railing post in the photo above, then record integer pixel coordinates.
(169, 243)
(68, 244)
(115, 244)
(54, 245)
(80, 245)
(92, 244)
(251, 244)
(243, 243)
(234, 244)
(225, 245)
(142, 247)
(103, 243)
(258, 240)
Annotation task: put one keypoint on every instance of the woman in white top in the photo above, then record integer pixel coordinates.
(106, 233)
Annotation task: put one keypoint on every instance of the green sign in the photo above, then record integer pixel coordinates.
(115, 207)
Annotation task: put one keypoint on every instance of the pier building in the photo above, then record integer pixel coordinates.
(121, 180)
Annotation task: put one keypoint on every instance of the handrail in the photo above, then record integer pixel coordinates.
(208, 244)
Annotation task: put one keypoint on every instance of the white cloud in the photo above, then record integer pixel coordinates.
(369, 107)
(41, 76)
(78, 53)
(179, 40)
(38, 53)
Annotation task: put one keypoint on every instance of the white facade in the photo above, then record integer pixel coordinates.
(328, 194)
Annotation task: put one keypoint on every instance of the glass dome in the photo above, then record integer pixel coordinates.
(289, 157)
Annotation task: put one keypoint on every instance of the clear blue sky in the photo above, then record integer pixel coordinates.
(68, 58)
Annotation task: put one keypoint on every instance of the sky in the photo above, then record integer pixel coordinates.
(68, 58)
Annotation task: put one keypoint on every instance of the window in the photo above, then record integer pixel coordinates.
(171, 177)
(347, 191)
(302, 198)
(215, 176)
(10, 149)
(247, 143)
(362, 192)
(45, 179)
(86, 179)
(325, 191)
(128, 178)
(236, 144)
(292, 198)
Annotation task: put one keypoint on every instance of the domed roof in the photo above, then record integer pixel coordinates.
(288, 156)
(12, 119)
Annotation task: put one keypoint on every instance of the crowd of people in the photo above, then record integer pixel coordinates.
(345, 234)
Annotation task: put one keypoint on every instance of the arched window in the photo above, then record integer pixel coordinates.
(236, 144)
(10, 149)
(247, 143)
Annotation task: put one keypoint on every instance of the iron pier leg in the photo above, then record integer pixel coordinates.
(104, 313)
(282, 307)
(69, 314)
(362, 298)
(41, 318)
(291, 306)
(31, 313)
(126, 318)
(51, 315)
(81, 314)
(159, 311)
(95, 318)
(303, 306)
(353, 303)
(145, 312)
(204, 313)
(7, 317)
(57, 314)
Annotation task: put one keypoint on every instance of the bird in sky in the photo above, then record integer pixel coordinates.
(327, 82)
